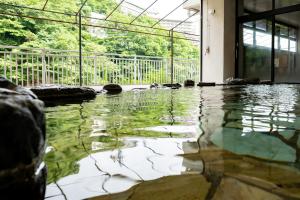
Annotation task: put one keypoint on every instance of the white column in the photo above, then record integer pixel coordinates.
(218, 40)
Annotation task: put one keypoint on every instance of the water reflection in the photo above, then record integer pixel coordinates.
(216, 136)
(258, 121)
(117, 123)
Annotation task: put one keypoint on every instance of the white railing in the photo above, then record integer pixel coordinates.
(33, 67)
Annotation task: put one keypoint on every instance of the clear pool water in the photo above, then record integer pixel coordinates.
(198, 143)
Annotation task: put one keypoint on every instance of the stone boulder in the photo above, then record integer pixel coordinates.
(64, 94)
(172, 86)
(266, 82)
(205, 84)
(239, 81)
(235, 81)
(22, 143)
(112, 88)
(154, 86)
(189, 83)
(4, 83)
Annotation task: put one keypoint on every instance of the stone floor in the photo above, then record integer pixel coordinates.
(225, 176)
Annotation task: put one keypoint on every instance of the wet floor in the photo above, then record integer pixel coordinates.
(198, 143)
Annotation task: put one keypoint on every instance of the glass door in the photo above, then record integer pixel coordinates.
(255, 52)
(287, 57)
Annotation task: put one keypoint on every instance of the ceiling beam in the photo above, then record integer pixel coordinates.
(82, 5)
(169, 13)
(114, 9)
(145, 10)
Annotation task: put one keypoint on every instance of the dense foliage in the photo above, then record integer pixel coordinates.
(28, 32)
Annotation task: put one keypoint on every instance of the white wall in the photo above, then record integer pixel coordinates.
(219, 38)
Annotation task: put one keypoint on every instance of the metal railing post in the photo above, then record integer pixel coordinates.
(134, 70)
(95, 66)
(172, 56)
(44, 70)
(166, 78)
(4, 64)
(80, 50)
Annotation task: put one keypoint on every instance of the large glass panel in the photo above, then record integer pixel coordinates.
(255, 51)
(284, 3)
(287, 57)
(254, 6)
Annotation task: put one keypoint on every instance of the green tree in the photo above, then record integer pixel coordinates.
(40, 33)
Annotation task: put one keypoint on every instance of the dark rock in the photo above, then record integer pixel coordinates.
(113, 88)
(252, 80)
(169, 85)
(238, 81)
(22, 144)
(154, 86)
(203, 84)
(61, 94)
(189, 83)
(26, 91)
(266, 82)
(4, 83)
(235, 81)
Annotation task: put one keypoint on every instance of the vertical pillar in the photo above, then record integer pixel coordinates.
(80, 50)
(172, 56)
(218, 40)
(201, 40)
(273, 45)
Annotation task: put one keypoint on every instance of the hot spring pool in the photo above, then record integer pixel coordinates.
(213, 142)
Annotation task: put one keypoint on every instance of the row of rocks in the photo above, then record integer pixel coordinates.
(78, 94)
(22, 143)
(187, 83)
(230, 81)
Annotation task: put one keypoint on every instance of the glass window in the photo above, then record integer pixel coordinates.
(249, 24)
(263, 39)
(276, 42)
(284, 30)
(287, 58)
(293, 46)
(285, 3)
(248, 36)
(284, 44)
(261, 25)
(255, 51)
(292, 32)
